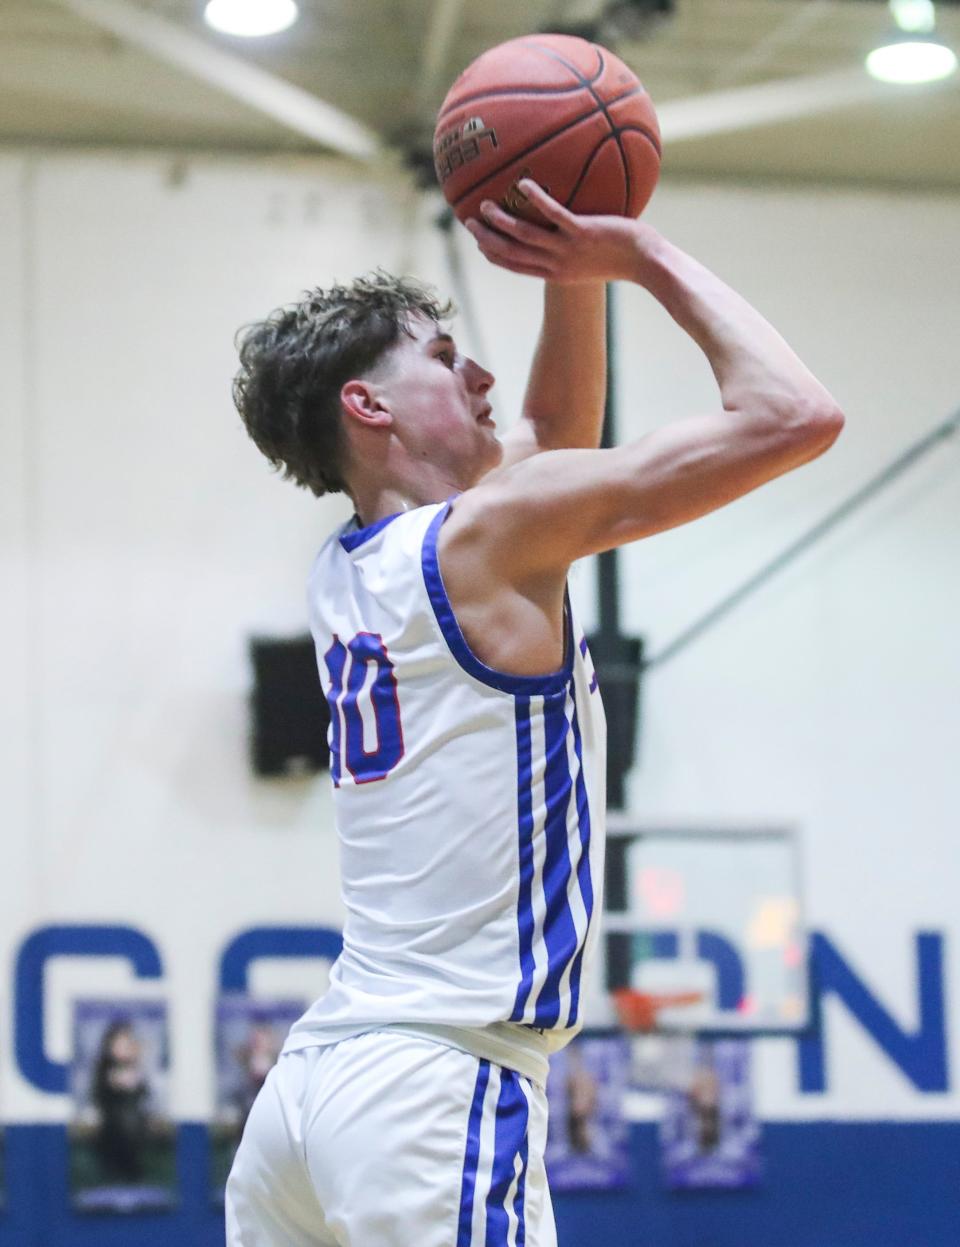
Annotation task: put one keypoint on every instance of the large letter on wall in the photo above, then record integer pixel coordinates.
(39, 948)
(266, 942)
(921, 1054)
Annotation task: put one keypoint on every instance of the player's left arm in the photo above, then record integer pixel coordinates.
(563, 404)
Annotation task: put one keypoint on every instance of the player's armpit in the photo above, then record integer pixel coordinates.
(543, 514)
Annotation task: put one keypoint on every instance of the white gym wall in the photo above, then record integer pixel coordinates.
(144, 539)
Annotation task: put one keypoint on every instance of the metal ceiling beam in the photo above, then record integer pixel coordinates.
(258, 89)
(444, 21)
(743, 108)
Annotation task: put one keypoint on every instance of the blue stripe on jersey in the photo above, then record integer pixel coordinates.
(502, 680)
(584, 878)
(525, 819)
(559, 931)
(510, 1135)
(472, 1157)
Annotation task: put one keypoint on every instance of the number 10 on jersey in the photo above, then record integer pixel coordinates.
(363, 704)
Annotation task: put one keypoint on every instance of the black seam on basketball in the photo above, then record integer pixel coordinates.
(605, 109)
(514, 91)
(651, 138)
(584, 82)
(626, 169)
(576, 86)
(583, 172)
(520, 155)
(624, 95)
(604, 105)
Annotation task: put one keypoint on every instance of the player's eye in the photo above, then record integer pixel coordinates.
(448, 356)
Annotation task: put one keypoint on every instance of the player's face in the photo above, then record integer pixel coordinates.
(438, 398)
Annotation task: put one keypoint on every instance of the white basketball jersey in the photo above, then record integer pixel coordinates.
(469, 803)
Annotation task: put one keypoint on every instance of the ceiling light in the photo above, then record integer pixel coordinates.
(250, 18)
(912, 61)
(916, 16)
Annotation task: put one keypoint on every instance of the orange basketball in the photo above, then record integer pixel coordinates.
(557, 109)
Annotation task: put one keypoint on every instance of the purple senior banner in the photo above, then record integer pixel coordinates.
(587, 1143)
(709, 1136)
(248, 1037)
(122, 1138)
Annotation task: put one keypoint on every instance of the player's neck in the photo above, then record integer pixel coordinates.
(377, 502)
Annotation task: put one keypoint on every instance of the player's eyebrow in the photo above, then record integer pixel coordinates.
(439, 336)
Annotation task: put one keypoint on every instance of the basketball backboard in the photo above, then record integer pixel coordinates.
(711, 911)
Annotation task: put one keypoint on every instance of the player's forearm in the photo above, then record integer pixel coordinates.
(567, 385)
(756, 370)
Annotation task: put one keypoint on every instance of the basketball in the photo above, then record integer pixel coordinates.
(555, 108)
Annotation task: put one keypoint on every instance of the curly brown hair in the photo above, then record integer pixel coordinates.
(294, 364)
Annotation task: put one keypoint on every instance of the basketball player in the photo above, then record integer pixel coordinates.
(467, 735)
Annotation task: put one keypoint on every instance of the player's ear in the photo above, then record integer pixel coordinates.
(361, 403)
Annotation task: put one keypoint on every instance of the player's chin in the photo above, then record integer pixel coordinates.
(493, 445)
(489, 455)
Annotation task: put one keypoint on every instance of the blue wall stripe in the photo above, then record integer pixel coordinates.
(472, 1156)
(560, 933)
(584, 877)
(510, 1133)
(525, 838)
(825, 1184)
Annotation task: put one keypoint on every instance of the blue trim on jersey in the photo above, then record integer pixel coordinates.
(563, 945)
(519, 1207)
(525, 820)
(471, 1157)
(510, 1135)
(506, 683)
(584, 878)
(357, 536)
(559, 929)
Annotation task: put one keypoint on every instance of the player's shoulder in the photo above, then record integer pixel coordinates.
(506, 501)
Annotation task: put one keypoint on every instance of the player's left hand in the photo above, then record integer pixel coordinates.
(571, 249)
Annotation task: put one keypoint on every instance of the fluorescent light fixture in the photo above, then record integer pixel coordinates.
(250, 18)
(912, 61)
(917, 17)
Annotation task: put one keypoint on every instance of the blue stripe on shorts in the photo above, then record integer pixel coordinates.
(506, 1182)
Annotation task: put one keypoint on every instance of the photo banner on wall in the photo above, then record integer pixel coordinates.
(122, 1140)
(587, 1141)
(709, 1136)
(248, 1037)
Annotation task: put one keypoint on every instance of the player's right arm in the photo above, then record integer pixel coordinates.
(547, 511)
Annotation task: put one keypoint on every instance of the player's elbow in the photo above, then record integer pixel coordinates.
(820, 422)
(809, 423)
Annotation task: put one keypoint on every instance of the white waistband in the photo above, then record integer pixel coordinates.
(521, 1048)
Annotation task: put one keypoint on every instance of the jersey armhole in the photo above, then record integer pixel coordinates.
(504, 681)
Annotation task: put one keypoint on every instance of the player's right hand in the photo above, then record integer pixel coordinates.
(570, 249)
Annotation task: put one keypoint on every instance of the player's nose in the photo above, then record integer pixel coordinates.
(478, 379)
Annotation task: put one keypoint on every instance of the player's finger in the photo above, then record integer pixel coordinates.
(523, 231)
(546, 204)
(508, 254)
(492, 242)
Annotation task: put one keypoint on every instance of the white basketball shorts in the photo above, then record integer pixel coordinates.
(390, 1140)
